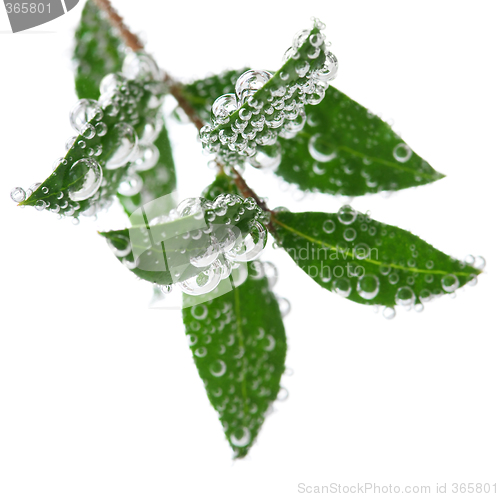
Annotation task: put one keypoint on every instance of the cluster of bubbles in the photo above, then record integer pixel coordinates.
(213, 338)
(412, 284)
(214, 250)
(118, 107)
(246, 124)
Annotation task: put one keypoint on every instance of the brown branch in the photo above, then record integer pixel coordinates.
(133, 42)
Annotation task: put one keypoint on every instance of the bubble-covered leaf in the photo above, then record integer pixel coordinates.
(239, 346)
(367, 261)
(194, 239)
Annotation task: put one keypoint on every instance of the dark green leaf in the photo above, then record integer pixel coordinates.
(130, 105)
(367, 261)
(157, 181)
(98, 51)
(239, 347)
(346, 150)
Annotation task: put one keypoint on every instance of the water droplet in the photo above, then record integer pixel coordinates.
(18, 194)
(140, 66)
(342, 287)
(110, 84)
(285, 306)
(166, 289)
(449, 283)
(349, 234)
(329, 69)
(402, 152)
(328, 226)
(389, 313)
(127, 143)
(200, 352)
(250, 82)
(346, 214)
(124, 247)
(203, 282)
(83, 112)
(405, 296)
(148, 156)
(282, 394)
(199, 312)
(267, 157)
(218, 368)
(240, 437)
(393, 278)
(368, 286)
(250, 248)
(88, 170)
(321, 148)
(480, 262)
(223, 107)
(131, 185)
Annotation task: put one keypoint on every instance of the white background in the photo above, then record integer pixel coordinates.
(99, 395)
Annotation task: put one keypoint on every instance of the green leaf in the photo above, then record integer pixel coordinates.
(367, 261)
(222, 184)
(239, 347)
(344, 149)
(259, 115)
(161, 250)
(130, 105)
(158, 181)
(202, 93)
(98, 51)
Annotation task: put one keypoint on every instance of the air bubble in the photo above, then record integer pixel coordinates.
(328, 226)
(83, 112)
(127, 142)
(199, 312)
(349, 234)
(250, 82)
(405, 296)
(90, 171)
(249, 249)
(218, 368)
(342, 286)
(124, 245)
(140, 66)
(402, 152)
(329, 69)
(240, 437)
(203, 282)
(268, 157)
(223, 107)
(148, 156)
(368, 286)
(321, 148)
(18, 195)
(449, 283)
(389, 313)
(131, 185)
(347, 215)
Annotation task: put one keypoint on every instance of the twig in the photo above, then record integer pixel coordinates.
(130, 39)
(133, 42)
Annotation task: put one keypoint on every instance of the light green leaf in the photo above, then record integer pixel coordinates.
(344, 149)
(367, 261)
(239, 347)
(98, 51)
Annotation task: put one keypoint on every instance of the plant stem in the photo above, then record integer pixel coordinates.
(133, 42)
